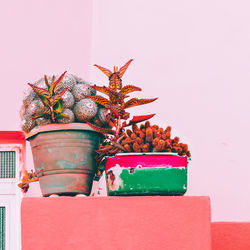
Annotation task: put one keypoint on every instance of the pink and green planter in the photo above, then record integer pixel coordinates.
(146, 174)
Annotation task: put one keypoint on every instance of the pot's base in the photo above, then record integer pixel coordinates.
(66, 184)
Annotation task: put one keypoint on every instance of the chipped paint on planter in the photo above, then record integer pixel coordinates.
(113, 178)
(146, 175)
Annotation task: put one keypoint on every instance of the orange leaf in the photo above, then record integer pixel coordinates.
(56, 85)
(135, 102)
(40, 91)
(42, 94)
(107, 72)
(117, 145)
(99, 99)
(101, 130)
(115, 82)
(137, 119)
(105, 90)
(119, 111)
(105, 148)
(128, 89)
(124, 68)
(43, 111)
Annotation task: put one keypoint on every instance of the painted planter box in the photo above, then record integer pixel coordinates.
(63, 157)
(146, 174)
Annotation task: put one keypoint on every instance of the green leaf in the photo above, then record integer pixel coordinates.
(58, 107)
(57, 97)
(62, 115)
(101, 130)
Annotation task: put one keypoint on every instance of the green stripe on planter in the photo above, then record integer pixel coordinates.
(148, 181)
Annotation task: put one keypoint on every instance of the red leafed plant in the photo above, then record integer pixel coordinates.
(117, 104)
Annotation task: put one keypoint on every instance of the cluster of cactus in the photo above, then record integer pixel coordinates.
(60, 99)
(28, 177)
(147, 138)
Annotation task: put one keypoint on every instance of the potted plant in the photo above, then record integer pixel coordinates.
(54, 116)
(141, 161)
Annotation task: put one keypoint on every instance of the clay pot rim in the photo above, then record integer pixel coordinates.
(58, 127)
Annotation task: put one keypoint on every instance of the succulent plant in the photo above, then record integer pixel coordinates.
(85, 110)
(102, 114)
(80, 90)
(40, 102)
(28, 124)
(152, 138)
(70, 119)
(51, 98)
(68, 82)
(116, 104)
(29, 96)
(79, 79)
(115, 78)
(68, 100)
(34, 108)
(41, 121)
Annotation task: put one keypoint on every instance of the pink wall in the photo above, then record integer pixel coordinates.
(195, 56)
(37, 38)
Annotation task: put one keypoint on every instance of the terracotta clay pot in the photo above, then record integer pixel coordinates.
(63, 157)
(146, 174)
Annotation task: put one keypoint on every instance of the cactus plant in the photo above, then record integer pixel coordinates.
(80, 90)
(63, 104)
(85, 110)
(53, 99)
(152, 138)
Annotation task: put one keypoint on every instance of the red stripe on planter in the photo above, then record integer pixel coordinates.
(146, 161)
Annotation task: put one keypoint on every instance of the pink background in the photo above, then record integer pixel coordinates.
(193, 55)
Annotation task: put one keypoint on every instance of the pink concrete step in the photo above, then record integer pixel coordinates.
(231, 236)
(136, 223)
